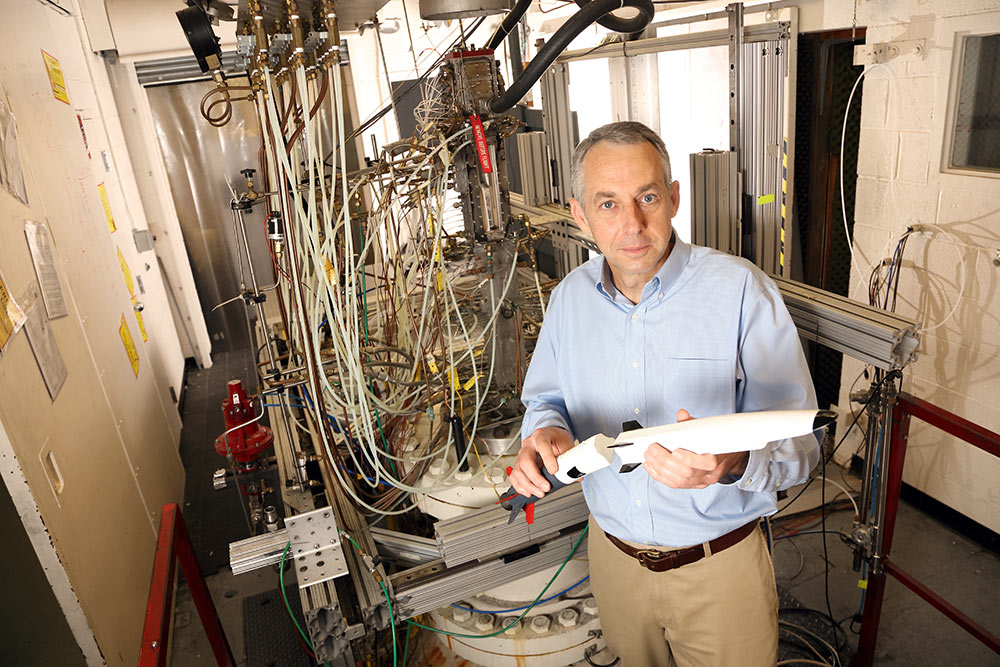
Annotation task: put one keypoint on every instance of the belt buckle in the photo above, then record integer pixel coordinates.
(651, 558)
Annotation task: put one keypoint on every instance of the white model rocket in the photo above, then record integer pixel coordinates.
(724, 434)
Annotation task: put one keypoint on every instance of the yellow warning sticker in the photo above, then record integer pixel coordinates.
(11, 315)
(765, 199)
(133, 356)
(106, 203)
(139, 320)
(127, 274)
(56, 79)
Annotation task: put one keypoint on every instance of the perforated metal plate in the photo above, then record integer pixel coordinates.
(317, 553)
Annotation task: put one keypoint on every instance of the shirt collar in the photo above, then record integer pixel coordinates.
(662, 280)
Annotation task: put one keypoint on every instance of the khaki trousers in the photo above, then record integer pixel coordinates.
(721, 610)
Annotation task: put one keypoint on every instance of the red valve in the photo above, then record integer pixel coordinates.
(245, 439)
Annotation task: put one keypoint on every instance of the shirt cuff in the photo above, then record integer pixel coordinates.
(755, 475)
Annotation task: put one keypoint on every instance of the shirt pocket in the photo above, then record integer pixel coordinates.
(702, 385)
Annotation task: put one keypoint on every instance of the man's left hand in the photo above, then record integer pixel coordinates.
(683, 469)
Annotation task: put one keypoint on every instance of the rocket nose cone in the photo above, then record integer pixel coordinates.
(823, 419)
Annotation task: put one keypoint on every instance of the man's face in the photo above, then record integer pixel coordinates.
(627, 206)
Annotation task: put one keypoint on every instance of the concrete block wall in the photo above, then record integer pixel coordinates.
(902, 181)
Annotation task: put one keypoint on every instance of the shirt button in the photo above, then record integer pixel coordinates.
(635, 316)
(635, 364)
(638, 503)
(661, 295)
(636, 411)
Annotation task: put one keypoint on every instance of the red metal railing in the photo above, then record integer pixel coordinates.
(909, 406)
(174, 545)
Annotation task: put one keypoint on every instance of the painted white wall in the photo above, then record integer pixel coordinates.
(150, 176)
(110, 163)
(903, 125)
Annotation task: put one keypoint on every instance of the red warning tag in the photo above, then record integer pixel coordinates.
(481, 148)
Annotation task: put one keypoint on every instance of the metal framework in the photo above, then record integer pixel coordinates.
(485, 532)
(173, 545)
(422, 589)
(907, 406)
(869, 334)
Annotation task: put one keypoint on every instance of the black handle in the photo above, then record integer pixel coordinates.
(518, 502)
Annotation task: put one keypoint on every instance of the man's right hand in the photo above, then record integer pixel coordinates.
(544, 444)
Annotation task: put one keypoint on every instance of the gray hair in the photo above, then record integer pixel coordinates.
(623, 132)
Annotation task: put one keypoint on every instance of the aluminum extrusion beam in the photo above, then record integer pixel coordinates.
(433, 586)
(751, 33)
(404, 547)
(256, 552)
(485, 533)
(557, 119)
(872, 335)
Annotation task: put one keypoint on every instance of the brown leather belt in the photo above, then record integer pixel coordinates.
(658, 560)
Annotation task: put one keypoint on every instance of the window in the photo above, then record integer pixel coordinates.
(976, 133)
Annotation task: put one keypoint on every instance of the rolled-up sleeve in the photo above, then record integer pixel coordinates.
(772, 374)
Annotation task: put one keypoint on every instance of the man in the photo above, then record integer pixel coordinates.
(649, 331)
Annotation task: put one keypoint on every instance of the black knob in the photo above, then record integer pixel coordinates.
(248, 173)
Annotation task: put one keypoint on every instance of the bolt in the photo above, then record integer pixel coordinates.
(460, 615)
(463, 475)
(497, 476)
(590, 606)
(567, 618)
(540, 624)
(484, 622)
(437, 467)
(511, 628)
(154, 644)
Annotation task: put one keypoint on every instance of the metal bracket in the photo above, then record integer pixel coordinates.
(873, 54)
(317, 552)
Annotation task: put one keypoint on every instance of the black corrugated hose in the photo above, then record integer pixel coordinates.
(612, 22)
(508, 23)
(589, 14)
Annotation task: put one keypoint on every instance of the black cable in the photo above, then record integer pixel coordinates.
(508, 23)
(566, 33)
(612, 22)
(875, 392)
(826, 556)
(597, 664)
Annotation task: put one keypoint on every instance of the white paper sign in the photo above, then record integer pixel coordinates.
(40, 245)
(43, 343)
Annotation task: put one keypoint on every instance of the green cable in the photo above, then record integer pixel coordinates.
(392, 623)
(523, 614)
(281, 581)
(406, 647)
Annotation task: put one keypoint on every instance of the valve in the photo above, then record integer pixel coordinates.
(244, 439)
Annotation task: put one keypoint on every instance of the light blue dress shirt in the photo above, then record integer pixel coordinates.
(711, 335)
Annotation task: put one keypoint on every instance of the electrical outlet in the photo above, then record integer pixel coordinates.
(873, 54)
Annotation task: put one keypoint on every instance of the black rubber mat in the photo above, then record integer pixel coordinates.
(269, 636)
(214, 518)
(792, 611)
